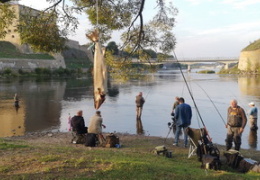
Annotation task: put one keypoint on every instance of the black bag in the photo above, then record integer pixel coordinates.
(207, 148)
(233, 158)
(91, 139)
(112, 140)
(210, 162)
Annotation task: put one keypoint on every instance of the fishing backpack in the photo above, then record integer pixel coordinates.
(209, 148)
(235, 160)
(210, 162)
(111, 140)
(209, 155)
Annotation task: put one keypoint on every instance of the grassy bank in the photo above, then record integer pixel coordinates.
(8, 50)
(51, 156)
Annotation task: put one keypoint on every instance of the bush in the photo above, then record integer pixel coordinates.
(8, 71)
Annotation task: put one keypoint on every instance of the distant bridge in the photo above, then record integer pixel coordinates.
(189, 61)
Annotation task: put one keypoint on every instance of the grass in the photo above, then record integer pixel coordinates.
(135, 160)
(4, 145)
(8, 50)
(233, 70)
(78, 63)
(75, 60)
(206, 72)
(253, 46)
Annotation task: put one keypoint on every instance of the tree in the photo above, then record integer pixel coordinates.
(111, 15)
(7, 17)
(138, 32)
(112, 46)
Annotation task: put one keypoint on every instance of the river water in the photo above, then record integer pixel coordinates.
(45, 105)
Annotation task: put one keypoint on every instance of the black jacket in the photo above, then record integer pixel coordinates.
(78, 125)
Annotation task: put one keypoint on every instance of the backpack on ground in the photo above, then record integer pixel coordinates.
(91, 139)
(238, 162)
(210, 162)
(209, 156)
(162, 150)
(233, 158)
(112, 140)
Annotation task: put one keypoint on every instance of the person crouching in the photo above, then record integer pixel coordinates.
(95, 127)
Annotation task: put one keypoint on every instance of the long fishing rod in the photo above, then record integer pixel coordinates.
(147, 94)
(196, 107)
(189, 90)
(212, 103)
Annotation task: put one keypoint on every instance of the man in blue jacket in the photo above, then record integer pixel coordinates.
(183, 116)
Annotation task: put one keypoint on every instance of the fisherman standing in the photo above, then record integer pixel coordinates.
(236, 122)
(253, 116)
(175, 104)
(183, 116)
(139, 101)
(16, 100)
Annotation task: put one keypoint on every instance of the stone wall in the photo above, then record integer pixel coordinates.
(31, 64)
(249, 60)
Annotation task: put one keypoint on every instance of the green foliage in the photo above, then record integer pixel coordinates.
(49, 158)
(253, 46)
(117, 68)
(7, 71)
(233, 70)
(8, 50)
(115, 15)
(41, 31)
(7, 18)
(5, 145)
(112, 46)
(77, 63)
(123, 15)
(207, 72)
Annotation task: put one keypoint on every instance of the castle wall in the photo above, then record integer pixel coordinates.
(12, 34)
(249, 60)
(31, 64)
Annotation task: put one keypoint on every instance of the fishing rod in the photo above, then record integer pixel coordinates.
(147, 94)
(189, 90)
(212, 103)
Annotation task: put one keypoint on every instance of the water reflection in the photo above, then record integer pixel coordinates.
(45, 104)
(139, 126)
(252, 139)
(39, 107)
(12, 121)
(249, 85)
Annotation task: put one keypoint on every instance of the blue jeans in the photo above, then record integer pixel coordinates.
(177, 134)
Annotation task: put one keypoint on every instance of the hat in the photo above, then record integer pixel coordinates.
(251, 104)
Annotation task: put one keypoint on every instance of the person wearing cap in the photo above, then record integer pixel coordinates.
(252, 116)
(236, 122)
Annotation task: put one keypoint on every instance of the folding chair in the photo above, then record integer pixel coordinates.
(195, 137)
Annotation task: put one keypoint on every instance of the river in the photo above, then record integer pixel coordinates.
(45, 105)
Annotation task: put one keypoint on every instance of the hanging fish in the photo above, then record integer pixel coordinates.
(99, 71)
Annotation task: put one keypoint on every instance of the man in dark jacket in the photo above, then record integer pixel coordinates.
(183, 116)
(78, 128)
(139, 101)
(236, 122)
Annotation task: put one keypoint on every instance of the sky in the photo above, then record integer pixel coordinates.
(203, 29)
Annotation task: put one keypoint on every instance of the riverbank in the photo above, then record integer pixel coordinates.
(52, 156)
